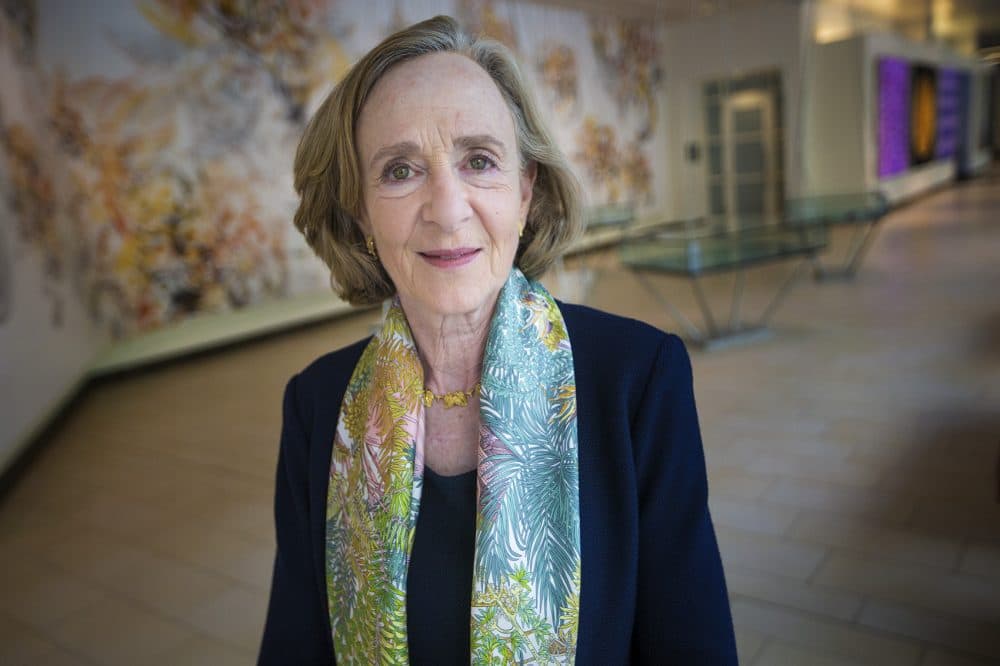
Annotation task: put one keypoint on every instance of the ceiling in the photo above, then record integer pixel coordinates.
(666, 10)
(957, 22)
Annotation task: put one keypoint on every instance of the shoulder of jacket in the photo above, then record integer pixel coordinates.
(612, 336)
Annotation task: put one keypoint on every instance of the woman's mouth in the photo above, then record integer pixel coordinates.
(450, 258)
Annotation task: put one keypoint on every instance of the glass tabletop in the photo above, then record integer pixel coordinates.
(703, 247)
(836, 208)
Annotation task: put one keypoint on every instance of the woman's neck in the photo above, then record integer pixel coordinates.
(451, 347)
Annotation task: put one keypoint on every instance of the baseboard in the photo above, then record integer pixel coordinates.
(197, 335)
(207, 332)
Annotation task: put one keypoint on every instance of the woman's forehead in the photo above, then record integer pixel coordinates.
(438, 96)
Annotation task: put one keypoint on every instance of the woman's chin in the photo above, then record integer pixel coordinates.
(457, 301)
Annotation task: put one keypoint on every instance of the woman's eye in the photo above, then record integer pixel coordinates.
(480, 163)
(399, 172)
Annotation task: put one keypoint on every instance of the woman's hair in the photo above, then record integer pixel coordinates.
(327, 165)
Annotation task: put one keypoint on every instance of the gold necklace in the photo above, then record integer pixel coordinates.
(453, 399)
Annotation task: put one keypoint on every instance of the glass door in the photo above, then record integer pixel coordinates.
(749, 158)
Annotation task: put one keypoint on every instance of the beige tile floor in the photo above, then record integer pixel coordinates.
(852, 460)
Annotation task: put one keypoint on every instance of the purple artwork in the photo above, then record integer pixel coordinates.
(949, 108)
(893, 116)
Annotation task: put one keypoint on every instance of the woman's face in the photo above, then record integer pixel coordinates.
(444, 193)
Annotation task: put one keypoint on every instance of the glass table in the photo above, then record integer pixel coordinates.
(862, 211)
(696, 248)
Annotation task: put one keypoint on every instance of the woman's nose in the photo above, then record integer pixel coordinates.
(447, 203)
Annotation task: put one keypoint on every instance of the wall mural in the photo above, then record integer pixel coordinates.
(558, 72)
(177, 163)
(27, 167)
(28, 191)
(630, 57)
(483, 17)
(622, 171)
(150, 166)
(19, 21)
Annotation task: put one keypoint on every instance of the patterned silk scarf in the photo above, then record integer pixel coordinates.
(526, 580)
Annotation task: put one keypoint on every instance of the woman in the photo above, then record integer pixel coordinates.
(493, 476)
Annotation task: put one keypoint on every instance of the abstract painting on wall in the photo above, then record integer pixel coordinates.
(893, 116)
(923, 113)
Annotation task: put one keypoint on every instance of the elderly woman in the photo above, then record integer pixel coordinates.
(494, 476)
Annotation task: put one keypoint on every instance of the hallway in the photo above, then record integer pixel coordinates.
(852, 459)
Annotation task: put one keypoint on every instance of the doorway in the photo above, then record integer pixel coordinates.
(744, 137)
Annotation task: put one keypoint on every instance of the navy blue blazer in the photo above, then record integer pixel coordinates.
(652, 586)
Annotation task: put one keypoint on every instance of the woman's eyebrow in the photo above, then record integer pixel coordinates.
(463, 142)
(401, 148)
(480, 141)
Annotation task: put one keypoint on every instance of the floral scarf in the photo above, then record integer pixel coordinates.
(526, 576)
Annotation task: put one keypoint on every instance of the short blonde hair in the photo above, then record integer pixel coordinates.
(328, 175)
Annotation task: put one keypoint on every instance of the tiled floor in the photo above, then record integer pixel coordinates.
(853, 463)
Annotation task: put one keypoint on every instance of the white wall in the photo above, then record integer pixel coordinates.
(995, 107)
(834, 136)
(979, 156)
(41, 363)
(841, 123)
(720, 47)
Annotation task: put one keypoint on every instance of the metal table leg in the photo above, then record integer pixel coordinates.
(782, 292)
(861, 249)
(734, 308)
(861, 241)
(713, 330)
(735, 332)
(691, 331)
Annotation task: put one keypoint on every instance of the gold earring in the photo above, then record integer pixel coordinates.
(520, 231)
(370, 242)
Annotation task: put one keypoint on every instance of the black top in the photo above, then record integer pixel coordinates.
(439, 583)
(651, 584)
